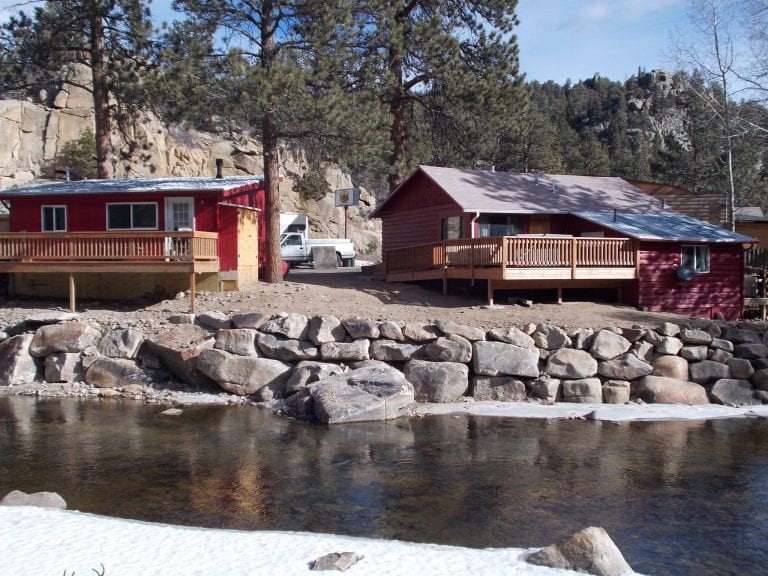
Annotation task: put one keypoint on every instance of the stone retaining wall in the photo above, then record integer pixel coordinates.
(339, 370)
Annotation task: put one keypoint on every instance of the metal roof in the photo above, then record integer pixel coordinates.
(512, 192)
(668, 226)
(133, 186)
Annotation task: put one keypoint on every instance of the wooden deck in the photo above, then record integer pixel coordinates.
(518, 262)
(110, 252)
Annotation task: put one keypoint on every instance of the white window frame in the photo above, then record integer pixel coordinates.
(54, 208)
(132, 227)
(697, 256)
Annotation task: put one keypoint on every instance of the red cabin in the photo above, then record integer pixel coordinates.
(540, 231)
(169, 233)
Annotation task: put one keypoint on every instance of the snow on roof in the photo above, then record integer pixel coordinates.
(133, 186)
(664, 226)
(512, 192)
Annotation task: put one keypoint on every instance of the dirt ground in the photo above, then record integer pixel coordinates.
(351, 293)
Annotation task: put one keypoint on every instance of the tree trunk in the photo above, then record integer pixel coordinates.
(271, 221)
(397, 129)
(104, 168)
(269, 132)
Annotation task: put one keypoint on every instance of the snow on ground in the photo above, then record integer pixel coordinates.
(605, 412)
(36, 542)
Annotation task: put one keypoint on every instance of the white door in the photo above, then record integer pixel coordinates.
(179, 214)
(179, 217)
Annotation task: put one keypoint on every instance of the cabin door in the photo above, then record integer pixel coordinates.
(179, 215)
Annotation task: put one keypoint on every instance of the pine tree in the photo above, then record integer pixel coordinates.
(110, 36)
(461, 47)
(285, 56)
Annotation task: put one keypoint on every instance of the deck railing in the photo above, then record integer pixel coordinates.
(108, 247)
(515, 252)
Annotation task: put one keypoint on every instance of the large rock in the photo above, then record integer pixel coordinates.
(391, 331)
(695, 337)
(362, 395)
(571, 363)
(16, 364)
(242, 375)
(361, 328)
(500, 359)
(452, 328)
(324, 329)
(662, 390)
(287, 350)
(708, 371)
(548, 337)
(290, 325)
(421, 332)
(121, 343)
(106, 372)
(252, 320)
(591, 551)
(671, 367)
(394, 351)
(584, 391)
(606, 345)
(240, 341)
(626, 367)
(751, 351)
(39, 499)
(741, 336)
(178, 349)
(214, 319)
(346, 351)
(546, 389)
(307, 372)
(694, 353)
(498, 388)
(63, 367)
(616, 392)
(452, 348)
(740, 368)
(437, 381)
(733, 392)
(669, 345)
(66, 337)
(511, 335)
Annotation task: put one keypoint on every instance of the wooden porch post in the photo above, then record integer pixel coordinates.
(192, 292)
(72, 307)
(573, 257)
(490, 292)
(559, 294)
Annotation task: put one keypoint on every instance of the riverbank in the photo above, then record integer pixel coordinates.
(46, 541)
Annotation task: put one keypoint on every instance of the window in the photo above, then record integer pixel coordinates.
(54, 219)
(695, 256)
(451, 228)
(132, 216)
(500, 225)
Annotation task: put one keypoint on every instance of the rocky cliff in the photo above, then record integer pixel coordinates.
(34, 135)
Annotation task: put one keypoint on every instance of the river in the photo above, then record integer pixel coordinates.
(676, 497)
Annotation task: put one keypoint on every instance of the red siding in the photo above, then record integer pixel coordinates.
(415, 215)
(227, 238)
(718, 291)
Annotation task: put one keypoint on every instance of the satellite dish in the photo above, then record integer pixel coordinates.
(686, 273)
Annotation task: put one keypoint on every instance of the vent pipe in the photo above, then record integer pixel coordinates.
(219, 168)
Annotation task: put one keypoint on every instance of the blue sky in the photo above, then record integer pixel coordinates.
(561, 39)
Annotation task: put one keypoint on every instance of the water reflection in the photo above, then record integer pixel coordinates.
(678, 497)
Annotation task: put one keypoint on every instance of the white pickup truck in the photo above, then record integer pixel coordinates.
(296, 245)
